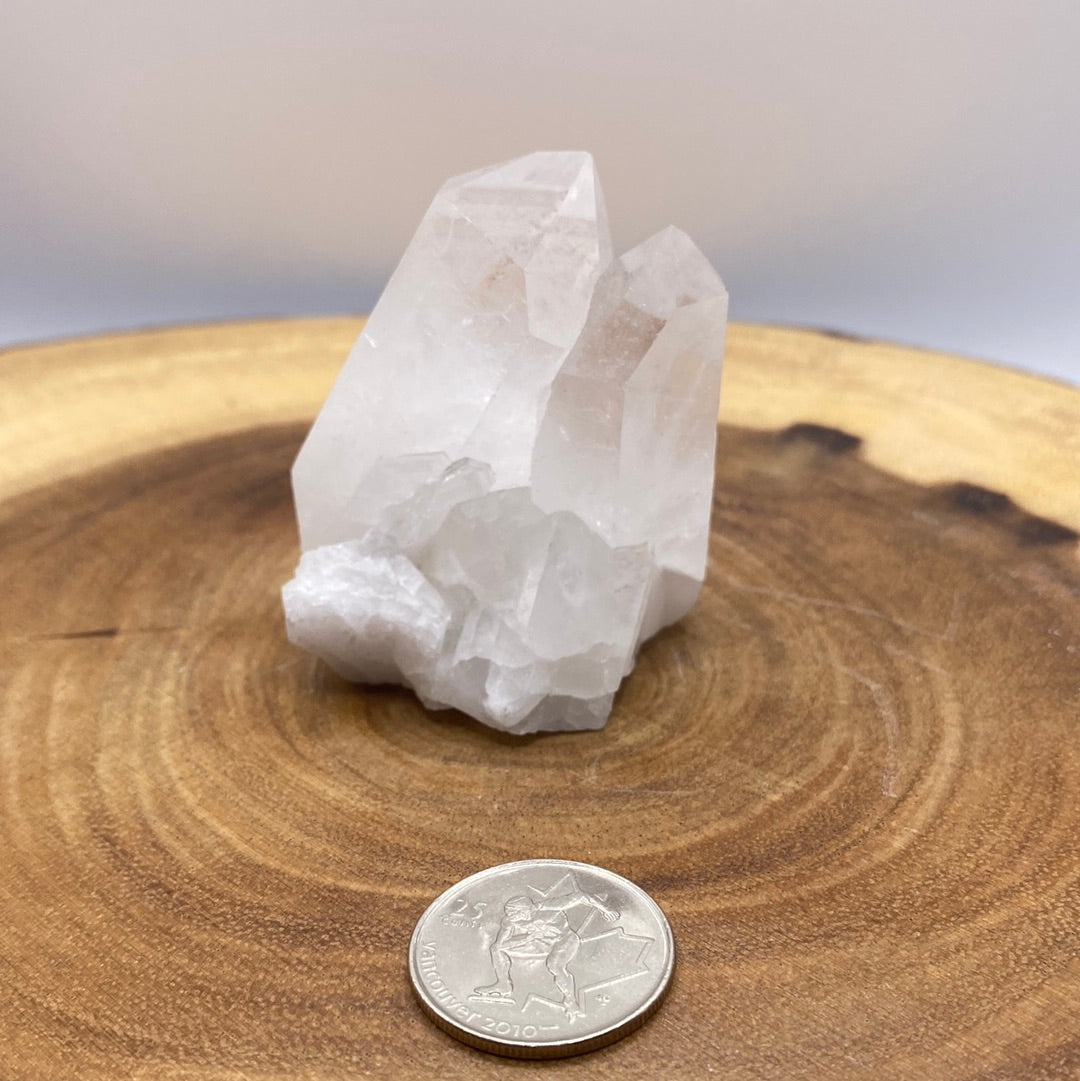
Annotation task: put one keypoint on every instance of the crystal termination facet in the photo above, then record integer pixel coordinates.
(508, 488)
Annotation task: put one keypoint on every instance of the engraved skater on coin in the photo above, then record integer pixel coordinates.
(534, 930)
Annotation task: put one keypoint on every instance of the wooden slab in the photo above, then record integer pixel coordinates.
(851, 776)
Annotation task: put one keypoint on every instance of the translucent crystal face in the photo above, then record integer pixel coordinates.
(508, 488)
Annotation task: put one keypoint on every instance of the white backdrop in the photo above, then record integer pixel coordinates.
(907, 170)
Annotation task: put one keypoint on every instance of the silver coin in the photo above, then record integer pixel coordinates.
(541, 959)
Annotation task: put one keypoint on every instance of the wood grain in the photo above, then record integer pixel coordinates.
(851, 776)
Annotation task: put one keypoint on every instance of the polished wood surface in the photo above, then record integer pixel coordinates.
(851, 776)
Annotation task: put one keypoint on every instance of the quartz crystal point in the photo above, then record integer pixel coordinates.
(508, 489)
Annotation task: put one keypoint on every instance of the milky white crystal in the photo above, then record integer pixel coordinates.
(508, 489)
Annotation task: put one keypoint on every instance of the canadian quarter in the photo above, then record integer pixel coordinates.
(541, 958)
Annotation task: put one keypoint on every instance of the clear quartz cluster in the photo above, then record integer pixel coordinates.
(508, 488)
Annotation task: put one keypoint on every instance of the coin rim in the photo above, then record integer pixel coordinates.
(542, 1049)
